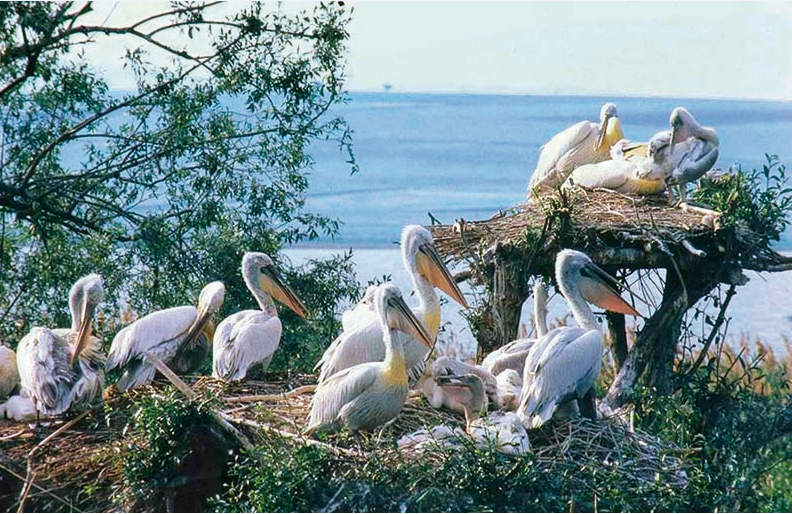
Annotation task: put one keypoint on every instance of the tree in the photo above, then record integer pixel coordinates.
(162, 188)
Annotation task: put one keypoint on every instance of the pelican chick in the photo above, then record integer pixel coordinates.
(622, 176)
(438, 396)
(585, 142)
(61, 368)
(180, 336)
(502, 431)
(9, 375)
(250, 337)
(565, 363)
(363, 342)
(368, 395)
(19, 408)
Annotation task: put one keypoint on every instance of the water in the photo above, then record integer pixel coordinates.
(468, 156)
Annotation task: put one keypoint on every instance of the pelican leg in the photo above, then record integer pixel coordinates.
(587, 404)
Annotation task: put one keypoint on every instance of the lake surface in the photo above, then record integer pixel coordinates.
(468, 156)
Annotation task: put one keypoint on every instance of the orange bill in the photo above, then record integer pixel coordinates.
(431, 266)
(601, 289)
(272, 283)
(404, 320)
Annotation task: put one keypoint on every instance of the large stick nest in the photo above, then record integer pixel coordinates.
(78, 469)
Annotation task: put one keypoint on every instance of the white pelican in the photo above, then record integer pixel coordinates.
(585, 142)
(370, 394)
(61, 368)
(251, 337)
(622, 176)
(364, 341)
(565, 363)
(509, 389)
(9, 376)
(512, 355)
(180, 336)
(361, 311)
(683, 154)
(19, 408)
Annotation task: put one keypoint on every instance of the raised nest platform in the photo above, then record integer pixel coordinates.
(80, 468)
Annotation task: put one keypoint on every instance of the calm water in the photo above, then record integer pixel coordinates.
(468, 156)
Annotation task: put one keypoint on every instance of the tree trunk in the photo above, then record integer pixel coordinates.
(501, 316)
(618, 337)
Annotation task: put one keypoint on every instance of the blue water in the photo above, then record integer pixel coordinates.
(468, 156)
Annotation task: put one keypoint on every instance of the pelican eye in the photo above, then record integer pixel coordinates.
(263, 270)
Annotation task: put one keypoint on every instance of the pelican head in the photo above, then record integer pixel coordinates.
(209, 301)
(594, 284)
(388, 299)
(259, 273)
(84, 296)
(658, 143)
(607, 112)
(418, 246)
(467, 390)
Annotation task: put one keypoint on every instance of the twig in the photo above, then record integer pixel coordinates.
(715, 327)
(191, 395)
(692, 249)
(30, 473)
(16, 434)
(272, 397)
(43, 491)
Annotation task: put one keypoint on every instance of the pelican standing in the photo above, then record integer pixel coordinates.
(61, 369)
(180, 336)
(9, 376)
(585, 142)
(565, 363)
(368, 395)
(250, 338)
(364, 341)
(686, 152)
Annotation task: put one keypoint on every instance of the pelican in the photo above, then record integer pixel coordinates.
(251, 337)
(361, 311)
(443, 366)
(370, 394)
(509, 389)
(685, 153)
(61, 369)
(622, 176)
(585, 142)
(501, 430)
(512, 355)
(180, 336)
(565, 363)
(9, 376)
(19, 408)
(363, 342)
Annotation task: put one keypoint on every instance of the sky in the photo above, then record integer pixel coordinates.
(669, 49)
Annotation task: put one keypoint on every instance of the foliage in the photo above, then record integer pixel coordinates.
(162, 429)
(162, 188)
(759, 200)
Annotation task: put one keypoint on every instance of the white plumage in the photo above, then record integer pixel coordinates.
(250, 338)
(585, 142)
(370, 394)
(61, 369)
(179, 336)
(564, 364)
(9, 375)
(363, 341)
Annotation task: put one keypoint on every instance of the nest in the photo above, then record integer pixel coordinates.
(76, 470)
(592, 218)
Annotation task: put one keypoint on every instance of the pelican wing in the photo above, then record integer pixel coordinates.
(9, 375)
(562, 153)
(509, 356)
(607, 174)
(337, 391)
(360, 313)
(565, 371)
(243, 340)
(696, 159)
(44, 371)
(159, 333)
(361, 344)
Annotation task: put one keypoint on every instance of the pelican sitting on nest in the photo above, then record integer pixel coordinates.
(363, 342)
(61, 369)
(370, 394)
(9, 376)
(582, 143)
(443, 366)
(179, 336)
(512, 355)
(250, 338)
(565, 363)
